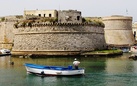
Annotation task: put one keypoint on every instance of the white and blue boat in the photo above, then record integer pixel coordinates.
(53, 70)
(4, 52)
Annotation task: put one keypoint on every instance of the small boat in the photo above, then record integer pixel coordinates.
(53, 70)
(133, 49)
(133, 56)
(4, 52)
(125, 49)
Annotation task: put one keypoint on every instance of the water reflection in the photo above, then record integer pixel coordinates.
(55, 81)
(119, 66)
(121, 71)
(100, 71)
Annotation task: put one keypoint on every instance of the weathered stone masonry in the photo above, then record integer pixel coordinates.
(118, 30)
(58, 39)
(6, 35)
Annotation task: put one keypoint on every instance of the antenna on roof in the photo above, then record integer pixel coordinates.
(126, 12)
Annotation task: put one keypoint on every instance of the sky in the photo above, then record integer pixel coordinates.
(89, 8)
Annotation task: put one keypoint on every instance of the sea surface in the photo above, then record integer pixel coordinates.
(99, 71)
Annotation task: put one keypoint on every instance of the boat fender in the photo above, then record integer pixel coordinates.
(42, 73)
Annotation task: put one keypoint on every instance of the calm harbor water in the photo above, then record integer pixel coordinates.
(99, 71)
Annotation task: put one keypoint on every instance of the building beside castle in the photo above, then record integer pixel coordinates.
(41, 13)
(69, 16)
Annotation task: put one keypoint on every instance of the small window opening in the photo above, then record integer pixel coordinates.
(39, 15)
(134, 34)
(78, 18)
(44, 15)
(50, 15)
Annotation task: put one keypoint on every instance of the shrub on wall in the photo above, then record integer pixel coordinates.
(3, 19)
(24, 23)
(16, 24)
(19, 16)
(98, 23)
(83, 20)
(93, 22)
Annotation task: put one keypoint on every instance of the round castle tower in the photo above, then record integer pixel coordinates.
(118, 30)
(58, 39)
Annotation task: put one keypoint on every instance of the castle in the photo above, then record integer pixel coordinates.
(118, 30)
(52, 32)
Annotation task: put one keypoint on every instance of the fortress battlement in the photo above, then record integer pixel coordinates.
(59, 24)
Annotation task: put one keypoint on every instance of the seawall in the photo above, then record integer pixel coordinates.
(58, 39)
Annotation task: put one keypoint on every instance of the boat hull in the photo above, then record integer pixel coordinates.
(59, 72)
(133, 49)
(5, 54)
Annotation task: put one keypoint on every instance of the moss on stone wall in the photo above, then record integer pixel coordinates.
(3, 19)
(52, 21)
(94, 22)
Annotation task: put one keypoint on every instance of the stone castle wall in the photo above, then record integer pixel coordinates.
(6, 35)
(58, 39)
(118, 30)
(69, 16)
(7, 31)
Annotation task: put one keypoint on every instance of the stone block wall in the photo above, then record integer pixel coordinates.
(7, 31)
(69, 16)
(6, 35)
(118, 30)
(61, 39)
